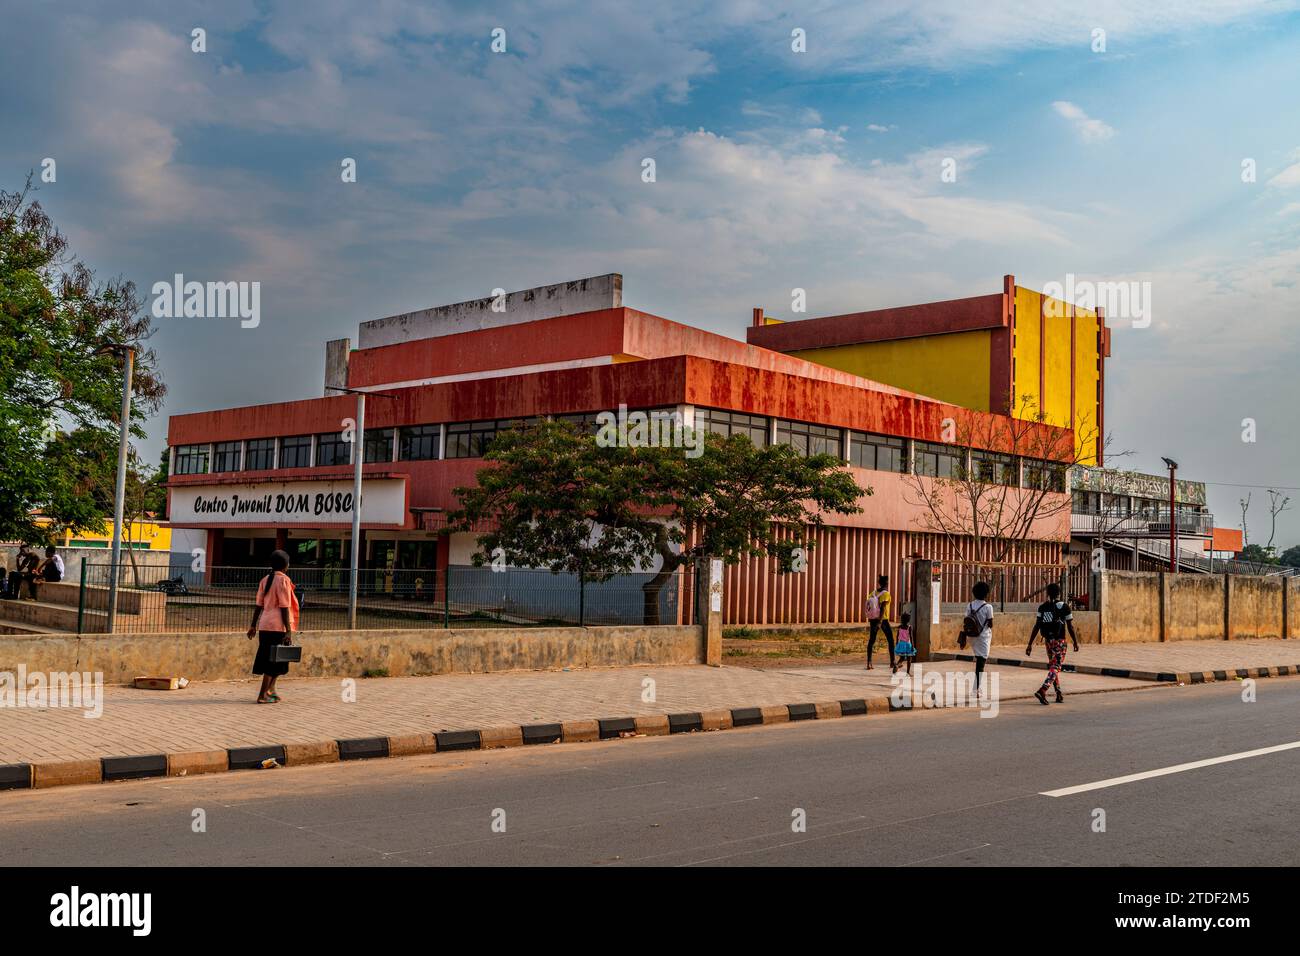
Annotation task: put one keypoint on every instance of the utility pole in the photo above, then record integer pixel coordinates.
(119, 493)
(1173, 526)
(358, 458)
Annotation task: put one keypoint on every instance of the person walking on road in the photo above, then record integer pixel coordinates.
(1053, 619)
(977, 629)
(878, 603)
(275, 618)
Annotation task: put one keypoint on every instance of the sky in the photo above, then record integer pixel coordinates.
(1148, 142)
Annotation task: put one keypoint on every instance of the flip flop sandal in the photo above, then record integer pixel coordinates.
(273, 698)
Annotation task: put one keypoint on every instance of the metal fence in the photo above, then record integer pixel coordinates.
(1014, 587)
(222, 598)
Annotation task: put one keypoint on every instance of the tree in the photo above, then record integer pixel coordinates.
(551, 496)
(1261, 556)
(145, 498)
(60, 381)
(985, 503)
(1291, 556)
(1258, 556)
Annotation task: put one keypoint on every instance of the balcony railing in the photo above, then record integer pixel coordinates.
(1143, 525)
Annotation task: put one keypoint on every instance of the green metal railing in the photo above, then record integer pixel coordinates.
(178, 599)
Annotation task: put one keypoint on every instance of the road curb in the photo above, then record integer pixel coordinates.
(42, 774)
(1167, 677)
(39, 775)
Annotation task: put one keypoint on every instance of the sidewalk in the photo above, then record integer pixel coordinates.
(216, 726)
(1184, 662)
(206, 717)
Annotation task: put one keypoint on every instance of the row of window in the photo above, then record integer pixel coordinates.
(1124, 506)
(471, 440)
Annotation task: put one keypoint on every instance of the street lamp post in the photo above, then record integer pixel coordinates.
(1173, 527)
(358, 457)
(119, 492)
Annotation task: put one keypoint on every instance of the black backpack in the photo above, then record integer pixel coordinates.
(971, 626)
(1055, 628)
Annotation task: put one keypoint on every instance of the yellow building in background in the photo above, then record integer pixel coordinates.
(1017, 352)
(141, 536)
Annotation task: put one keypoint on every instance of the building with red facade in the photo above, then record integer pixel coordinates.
(255, 478)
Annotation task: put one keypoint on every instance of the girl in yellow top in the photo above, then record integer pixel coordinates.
(878, 603)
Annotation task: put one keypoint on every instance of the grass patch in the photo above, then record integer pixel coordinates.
(375, 672)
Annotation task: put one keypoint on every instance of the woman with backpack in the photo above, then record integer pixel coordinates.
(1054, 618)
(977, 629)
(878, 602)
(275, 618)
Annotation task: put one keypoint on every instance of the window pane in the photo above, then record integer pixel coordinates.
(379, 444)
(225, 456)
(809, 439)
(259, 454)
(994, 468)
(331, 449)
(940, 461)
(420, 442)
(191, 459)
(295, 452)
(878, 452)
(726, 424)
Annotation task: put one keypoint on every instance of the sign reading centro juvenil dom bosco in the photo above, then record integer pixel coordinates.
(297, 502)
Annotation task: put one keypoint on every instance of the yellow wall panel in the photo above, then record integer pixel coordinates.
(1056, 401)
(1085, 384)
(952, 367)
(1025, 355)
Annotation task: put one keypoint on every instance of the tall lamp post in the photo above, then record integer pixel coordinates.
(119, 492)
(358, 457)
(1173, 526)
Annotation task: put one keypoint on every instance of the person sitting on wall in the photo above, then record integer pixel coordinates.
(51, 569)
(24, 570)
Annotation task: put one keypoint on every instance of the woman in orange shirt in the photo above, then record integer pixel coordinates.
(275, 618)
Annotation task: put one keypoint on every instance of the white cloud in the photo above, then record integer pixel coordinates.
(1090, 130)
(1289, 177)
(877, 128)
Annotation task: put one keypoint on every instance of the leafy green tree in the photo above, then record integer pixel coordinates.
(1291, 556)
(61, 370)
(553, 497)
(1258, 554)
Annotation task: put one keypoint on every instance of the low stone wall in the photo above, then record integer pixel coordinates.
(401, 653)
(1159, 606)
(1130, 602)
(1256, 607)
(1193, 607)
(1012, 628)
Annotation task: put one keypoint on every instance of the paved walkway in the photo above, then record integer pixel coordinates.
(221, 715)
(1177, 657)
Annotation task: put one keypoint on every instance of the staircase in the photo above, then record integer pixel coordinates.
(58, 607)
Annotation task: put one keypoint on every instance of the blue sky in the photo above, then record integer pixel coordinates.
(775, 170)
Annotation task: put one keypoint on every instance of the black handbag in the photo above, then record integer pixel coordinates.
(286, 653)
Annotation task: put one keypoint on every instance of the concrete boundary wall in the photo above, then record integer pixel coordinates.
(401, 653)
(1159, 606)
(1011, 629)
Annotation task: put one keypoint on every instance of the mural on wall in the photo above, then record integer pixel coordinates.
(1114, 482)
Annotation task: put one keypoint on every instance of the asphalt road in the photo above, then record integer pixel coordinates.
(936, 788)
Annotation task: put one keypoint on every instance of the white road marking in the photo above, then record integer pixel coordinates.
(1179, 768)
